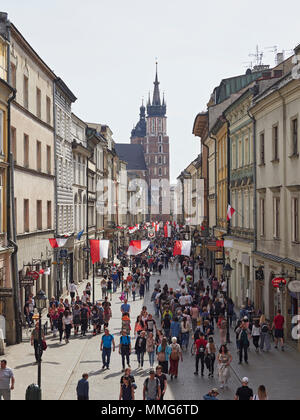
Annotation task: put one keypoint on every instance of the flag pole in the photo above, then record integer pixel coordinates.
(93, 284)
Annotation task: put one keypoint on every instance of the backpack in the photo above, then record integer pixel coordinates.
(201, 349)
(156, 382)
(174, 354)
(264, 328)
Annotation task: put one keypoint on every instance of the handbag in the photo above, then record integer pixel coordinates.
(44, 345)
(161, 356)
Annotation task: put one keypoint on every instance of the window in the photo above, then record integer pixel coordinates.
(39, 224)
(262, 217)
(13, 75)
(159, 172)
(275, 144)
(49, 159)
(160, 148)
(295, 137)
(26, 151)
(25, 92)
(159, 160)
(13, 139)
(262, 148)
(49, 215)
(1, 130)
(38, 102)
(48, 109)
(240, 154)
(246, 151)
(295, 220)
(26, 215)
(160, 139)
(38, 156)
(276, 213)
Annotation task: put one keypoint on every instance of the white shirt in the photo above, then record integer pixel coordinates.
(72, 287)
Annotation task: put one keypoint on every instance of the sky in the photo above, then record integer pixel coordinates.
(105, 51)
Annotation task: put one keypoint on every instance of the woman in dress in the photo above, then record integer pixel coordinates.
(76, 318)
(175, 355)
(224, 360)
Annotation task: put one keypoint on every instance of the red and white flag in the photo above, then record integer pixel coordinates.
(182, 248)
(57, 242)
(230, 212)
(99, 249)
(132, 229)
(167, 231)
(137, 247)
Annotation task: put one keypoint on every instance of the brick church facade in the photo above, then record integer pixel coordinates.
(151, 133)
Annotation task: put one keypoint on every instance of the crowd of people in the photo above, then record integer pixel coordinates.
(183, 319)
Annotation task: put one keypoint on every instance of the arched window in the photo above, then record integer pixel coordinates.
(160, 148)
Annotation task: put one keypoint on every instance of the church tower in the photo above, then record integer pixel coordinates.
(151, 132)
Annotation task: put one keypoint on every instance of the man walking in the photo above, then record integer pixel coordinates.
(244, 393)
(82, 388)
(7, 380)
(278, 324)
(125, 349)
(106, 342)
(243, 334)
(151, 390)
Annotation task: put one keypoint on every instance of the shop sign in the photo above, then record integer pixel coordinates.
(278, 281)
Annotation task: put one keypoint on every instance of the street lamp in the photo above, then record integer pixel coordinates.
(41, 304)
(227, 273)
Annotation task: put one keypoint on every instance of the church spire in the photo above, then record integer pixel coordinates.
(156, 94)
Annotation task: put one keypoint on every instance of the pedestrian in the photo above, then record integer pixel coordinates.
(150, 348)
(128, 374)
(35, 342)
(212, 395)
(126, 390)
(162, 380)
(110, 288)
(82, 388)
(210, 356)
(166, 325)
(76, 318)
(125, 349)
(107, 342)
(224, 360)
(151, 390)
(185, 329)
(133, 291)
(84, 317)
(222, 325)
(243, 336)
(140, 348)
(125, 307)
(261, 394)
(95, 317)
(72, 289)
(142, 288)
(163, 354)
(278, 324)
(200, 344)
(103, 287)
(7, 381)
(175, 356)
(264, 334)
(244, 393)
(256, 334)
(67, 320)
